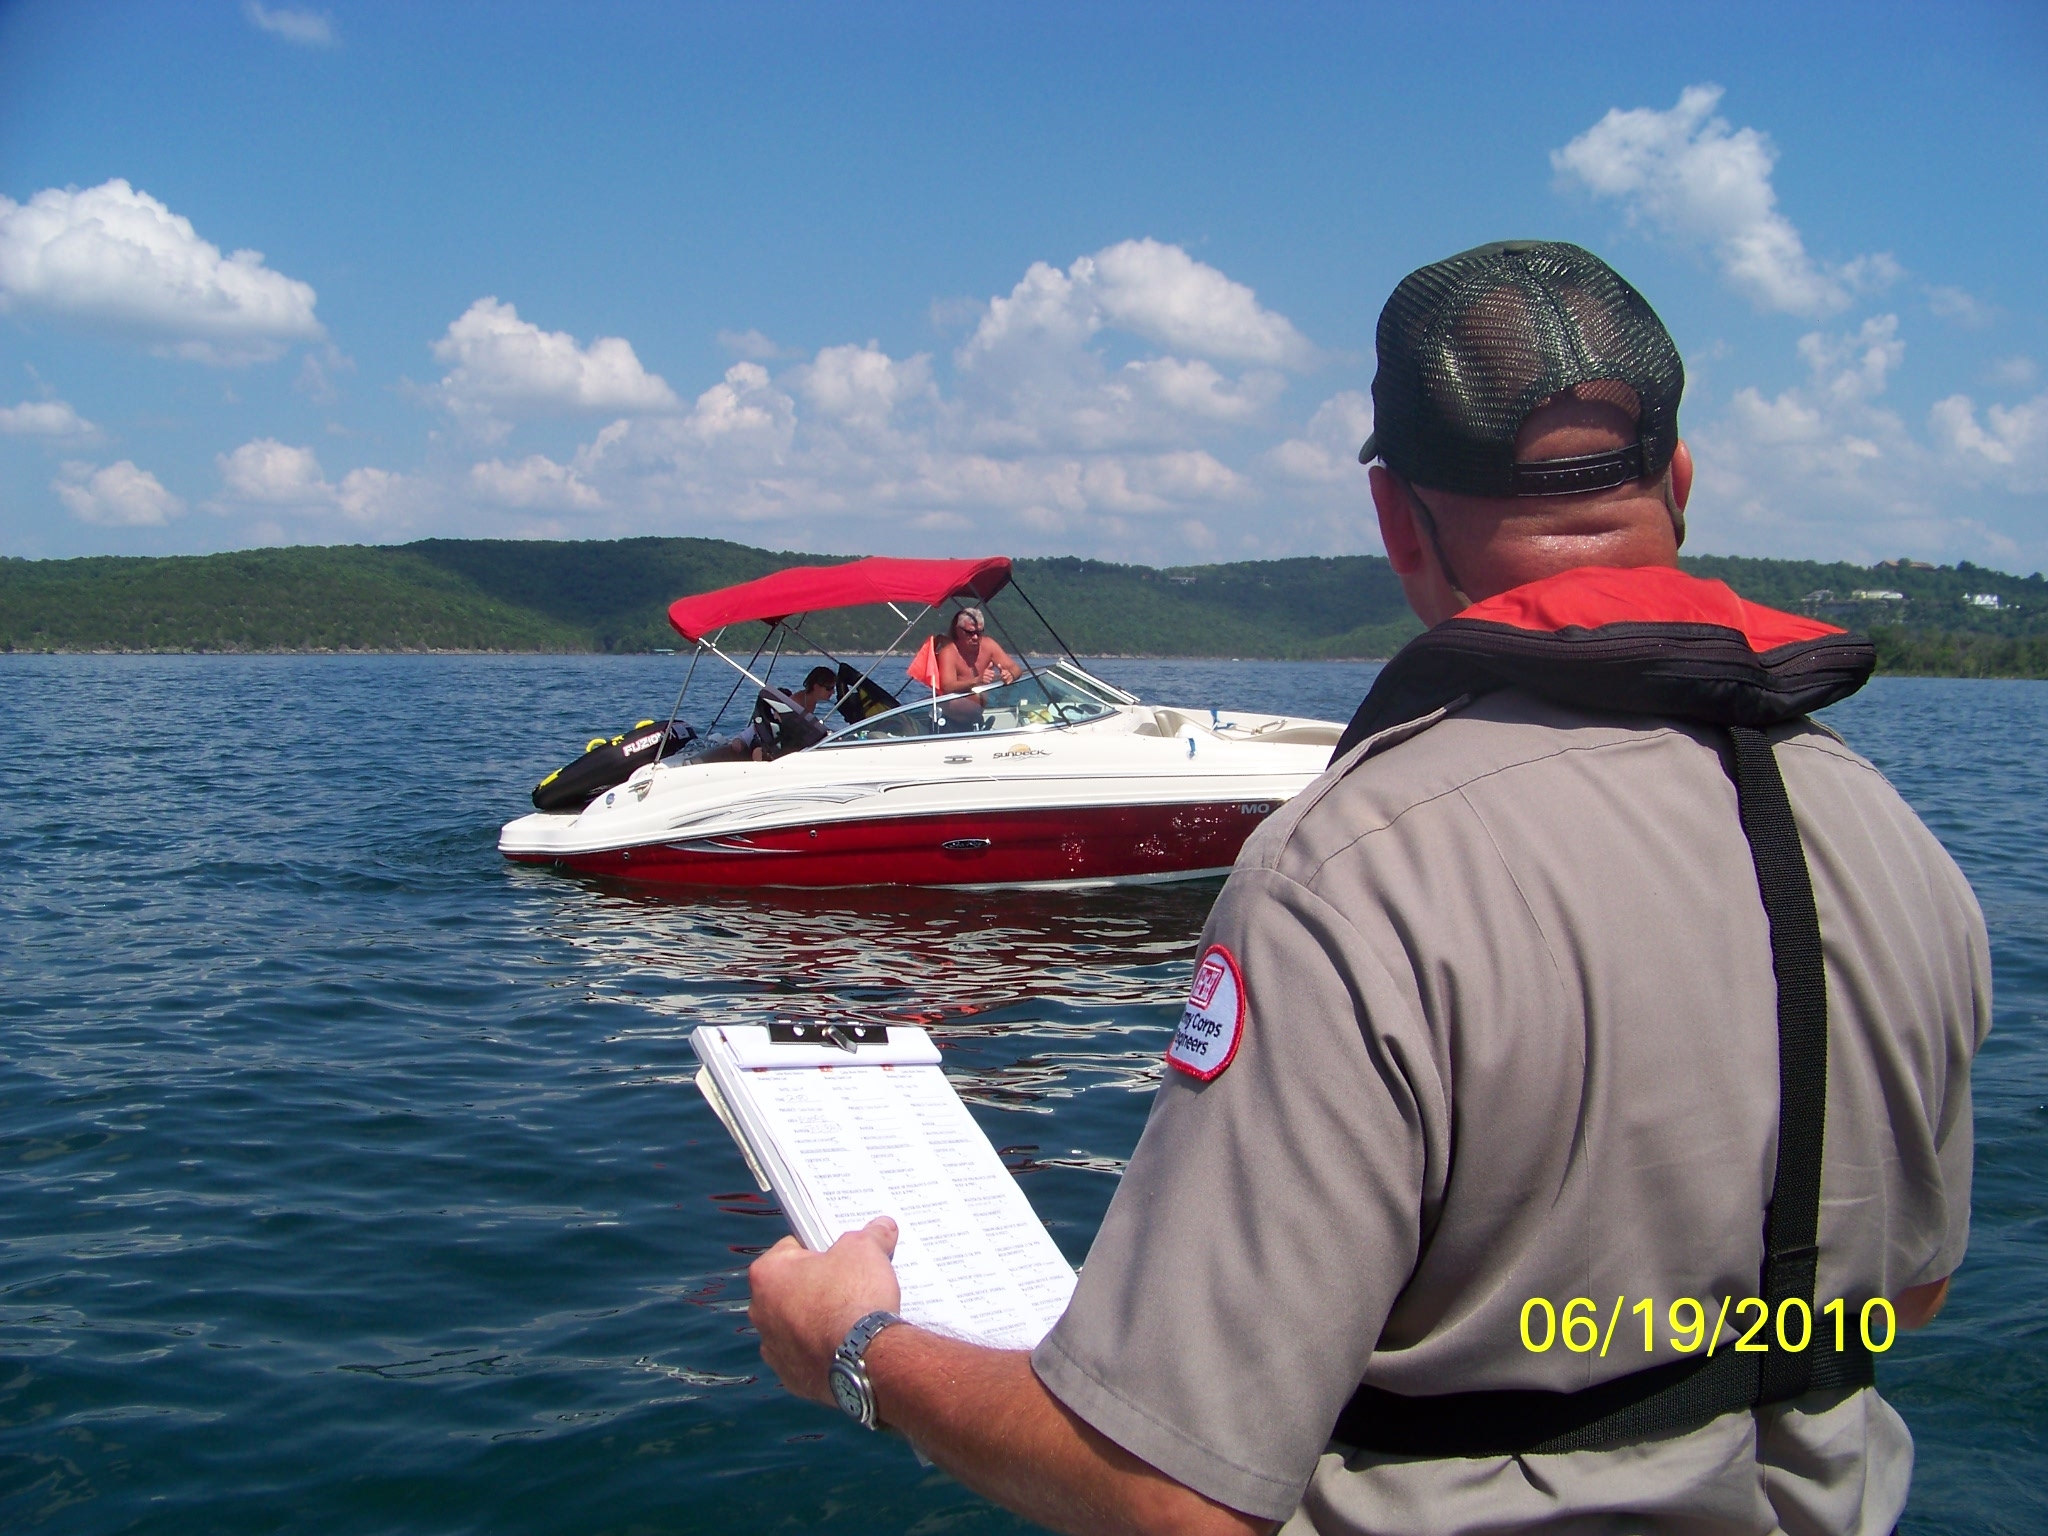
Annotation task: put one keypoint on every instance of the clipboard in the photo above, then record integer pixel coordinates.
(844, 1130)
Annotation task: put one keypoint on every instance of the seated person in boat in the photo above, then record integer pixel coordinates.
(782, 722)
(968, 658)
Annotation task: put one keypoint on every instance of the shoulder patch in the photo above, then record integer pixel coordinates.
(1212, 1023)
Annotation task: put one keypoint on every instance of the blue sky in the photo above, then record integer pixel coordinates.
(937, 279)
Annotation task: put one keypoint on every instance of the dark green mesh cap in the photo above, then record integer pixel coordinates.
(1469, 346)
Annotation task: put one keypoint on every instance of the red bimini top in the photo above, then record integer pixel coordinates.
(809, 588)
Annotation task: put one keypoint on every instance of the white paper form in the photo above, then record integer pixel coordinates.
(972, 1257)
(988, 1193)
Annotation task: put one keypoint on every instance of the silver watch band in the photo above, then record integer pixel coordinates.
(862, 1334)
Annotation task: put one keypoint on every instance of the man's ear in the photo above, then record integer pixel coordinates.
(1398, 529)
(1678, 490)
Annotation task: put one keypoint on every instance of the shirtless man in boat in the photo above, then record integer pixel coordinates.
(967, 659)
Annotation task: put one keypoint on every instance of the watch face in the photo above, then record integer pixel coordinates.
(846, 1390)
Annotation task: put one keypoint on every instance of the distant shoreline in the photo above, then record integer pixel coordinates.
(614, 655)
(505, 597)
(10, 653)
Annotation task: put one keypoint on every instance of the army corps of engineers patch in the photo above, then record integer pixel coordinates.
(1212, 1023)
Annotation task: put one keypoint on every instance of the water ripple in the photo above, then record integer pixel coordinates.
(353, 1181)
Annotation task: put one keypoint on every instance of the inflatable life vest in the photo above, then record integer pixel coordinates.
(607, 761)
(1648, 640)
(1656, 641)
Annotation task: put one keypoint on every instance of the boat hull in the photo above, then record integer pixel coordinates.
(1047, 847)
(1138, 793)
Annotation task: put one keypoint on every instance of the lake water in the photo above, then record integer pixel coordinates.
(352, 1181)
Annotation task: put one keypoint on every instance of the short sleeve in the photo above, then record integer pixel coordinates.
(1268, 1219)
(1954, 1130)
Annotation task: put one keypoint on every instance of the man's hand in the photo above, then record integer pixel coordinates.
(980, 1413)
(804, 1302)
(1916, 1305)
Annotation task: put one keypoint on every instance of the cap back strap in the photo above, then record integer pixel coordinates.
(1588, 472)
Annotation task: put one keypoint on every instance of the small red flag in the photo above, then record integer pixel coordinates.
(924, 666)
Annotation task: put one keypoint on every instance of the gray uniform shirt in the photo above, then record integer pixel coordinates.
(1510, 1032)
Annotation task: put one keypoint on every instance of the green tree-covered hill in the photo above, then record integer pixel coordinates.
(1957, 620)
(613, 595)
(344, 598)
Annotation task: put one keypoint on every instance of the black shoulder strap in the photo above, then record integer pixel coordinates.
(1687, 1394)
(1792, 1222)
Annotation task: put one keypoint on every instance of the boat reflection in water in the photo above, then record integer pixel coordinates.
(1035, 997)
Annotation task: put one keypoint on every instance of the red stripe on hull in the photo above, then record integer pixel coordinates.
(988, 848)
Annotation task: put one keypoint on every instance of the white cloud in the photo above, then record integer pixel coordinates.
(1036, 375)
(754, 346)
(45, 418)
(309, 29)
(1832, 426)
(503, 364)
(316, 374)
(744, 415)
(1826, 470)
(2012, 372)
(535, 483)
(834, 453)
(119, 496)
(1163, 294)
(1163, 482)
(270, 473)
(1120, 405)
(861, 387)
(116, 257)
(1872, 273)
(1697, 181)
(2009, 448)
(1856, 366)
(378, 498)
(267, 473)
(1327, 453)
(1965, 309)
(1198, 391)
(1150, 290)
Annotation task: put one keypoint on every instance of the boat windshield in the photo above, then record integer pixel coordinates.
(1034, 701)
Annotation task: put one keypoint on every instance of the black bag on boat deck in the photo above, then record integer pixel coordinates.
(608, 762)
(860, 697)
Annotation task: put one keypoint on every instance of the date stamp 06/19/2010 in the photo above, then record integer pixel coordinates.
(1577, 1325)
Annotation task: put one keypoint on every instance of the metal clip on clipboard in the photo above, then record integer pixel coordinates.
(846, 1036)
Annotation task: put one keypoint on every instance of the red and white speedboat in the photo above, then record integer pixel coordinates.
(1064, 781)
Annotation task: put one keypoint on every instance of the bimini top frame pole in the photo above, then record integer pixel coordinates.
(792, 627)
(681, 694)
(796, 629)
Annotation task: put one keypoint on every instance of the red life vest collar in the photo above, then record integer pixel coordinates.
(1642, 640)
(1597, 595)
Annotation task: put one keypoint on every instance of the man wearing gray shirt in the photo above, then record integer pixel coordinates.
(1572, 1096)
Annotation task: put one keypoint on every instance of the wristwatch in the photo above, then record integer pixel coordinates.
(848, 1372)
